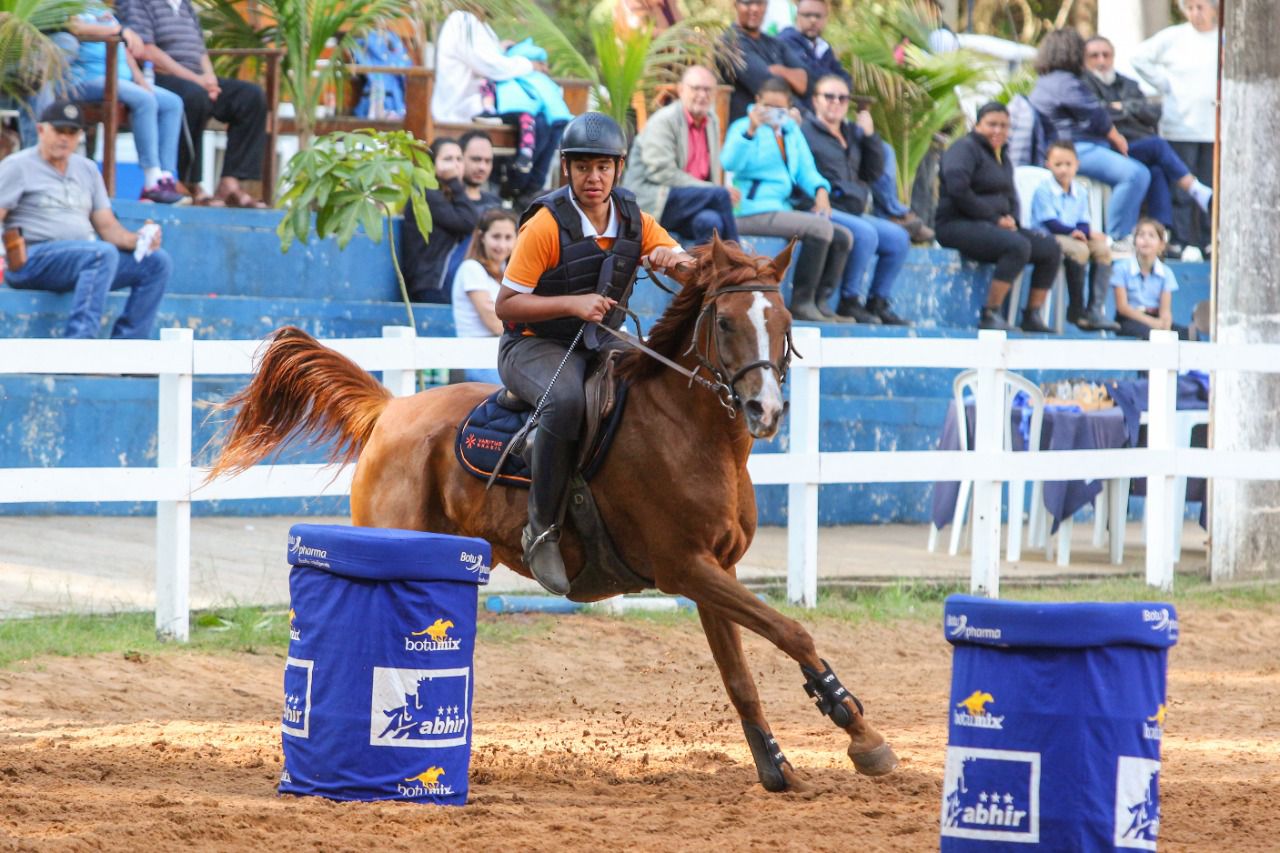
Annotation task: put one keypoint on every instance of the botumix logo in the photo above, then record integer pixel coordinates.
(958, 626)
(425, 784)
(972, 712)
(1153, 728)
(294, 633)
(437, 638)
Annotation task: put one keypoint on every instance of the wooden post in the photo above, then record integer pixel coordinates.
(272, 89)
(110, 119)
(1245, 407)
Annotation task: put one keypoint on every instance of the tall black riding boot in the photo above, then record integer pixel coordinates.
(802, 305)
(551, 465)
(823, 303)
(1095, 318)
(1074, 274)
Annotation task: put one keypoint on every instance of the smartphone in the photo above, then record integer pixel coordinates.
(862, 102)
(775, 117)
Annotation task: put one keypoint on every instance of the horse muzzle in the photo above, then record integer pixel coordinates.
(764, 416)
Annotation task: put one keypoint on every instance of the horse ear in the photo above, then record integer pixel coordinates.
(719, 256)
(782, 260)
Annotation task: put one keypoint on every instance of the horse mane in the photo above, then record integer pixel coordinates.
(670, 336)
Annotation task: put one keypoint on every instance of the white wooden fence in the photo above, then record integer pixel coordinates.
(174, 483)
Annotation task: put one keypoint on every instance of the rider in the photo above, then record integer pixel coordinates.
(574, 264)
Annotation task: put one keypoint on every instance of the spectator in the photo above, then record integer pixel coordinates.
(763, 57)
(476, 286)
(674, 167)
(771, 161)
(978, 216)
(174, 43)
(59, 201)
(470, 59)
(453, 218)
(1137, 117)
(805, 38)
(155, 114)
(1074, 113)
(1061, 207)
(1144, 286)
(477, 165)
(1181, 62)
(850, 155)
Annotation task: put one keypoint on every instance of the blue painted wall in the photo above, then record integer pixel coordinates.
(232, 281)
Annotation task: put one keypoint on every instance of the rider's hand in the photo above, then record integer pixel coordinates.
(664, 258)
(592, 307)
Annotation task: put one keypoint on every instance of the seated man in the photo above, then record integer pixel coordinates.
(764, 57)
(1137, 117)
(821, 61)
(174, 43)
(674, 167)
(574, 262)
(59, 201)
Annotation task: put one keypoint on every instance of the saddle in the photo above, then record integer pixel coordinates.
(485, 433)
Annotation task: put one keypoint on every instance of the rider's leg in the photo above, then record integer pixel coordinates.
(526, 365)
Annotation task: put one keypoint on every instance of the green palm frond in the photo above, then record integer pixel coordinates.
(28, 57)
(519, 19)
(695, 40)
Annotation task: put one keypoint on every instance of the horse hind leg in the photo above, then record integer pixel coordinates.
(725, 639)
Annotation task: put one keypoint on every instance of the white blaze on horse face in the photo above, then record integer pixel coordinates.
(770, 393)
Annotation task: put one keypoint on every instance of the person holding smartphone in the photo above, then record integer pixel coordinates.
(784, 195)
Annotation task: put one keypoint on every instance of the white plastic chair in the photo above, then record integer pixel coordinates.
(1014, 383)
(1026, 179)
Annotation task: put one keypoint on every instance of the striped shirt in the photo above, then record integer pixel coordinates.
(176, 32)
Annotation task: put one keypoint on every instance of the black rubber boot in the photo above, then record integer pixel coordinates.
(823, 303)
(993, 318)
(1031, 322)
(551, 465)
(881, 308)
(851, 308)
(1095, 318)
(802, 305)
(1074, 273)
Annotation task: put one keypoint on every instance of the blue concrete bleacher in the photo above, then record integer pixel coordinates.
(232, 281)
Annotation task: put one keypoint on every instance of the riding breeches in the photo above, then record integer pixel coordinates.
(526, 365)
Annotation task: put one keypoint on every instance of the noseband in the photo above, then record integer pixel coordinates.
(724, 382)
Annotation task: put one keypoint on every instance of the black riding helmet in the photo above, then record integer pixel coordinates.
(593, 134)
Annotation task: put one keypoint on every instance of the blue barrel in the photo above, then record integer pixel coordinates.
(379, 679)
(1055, 721)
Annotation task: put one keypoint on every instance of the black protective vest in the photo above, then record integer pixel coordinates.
(582, 267)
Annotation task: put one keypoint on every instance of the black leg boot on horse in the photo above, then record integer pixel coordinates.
(551, 465)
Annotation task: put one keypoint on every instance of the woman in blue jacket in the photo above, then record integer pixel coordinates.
(773, 170)
(1074, 112)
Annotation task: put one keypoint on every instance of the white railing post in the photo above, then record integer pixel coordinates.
(1162, 403)
(173, 518)
(990, 424)
(802, 493)
(401, 383)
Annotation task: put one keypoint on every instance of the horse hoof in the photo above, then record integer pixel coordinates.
(875, 762)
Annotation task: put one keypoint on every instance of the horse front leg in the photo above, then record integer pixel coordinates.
(725, 639)
(712, 588)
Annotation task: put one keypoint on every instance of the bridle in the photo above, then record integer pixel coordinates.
(722, 383)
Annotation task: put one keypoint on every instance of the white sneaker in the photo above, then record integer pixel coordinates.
(1192, 255)
(1122, 248)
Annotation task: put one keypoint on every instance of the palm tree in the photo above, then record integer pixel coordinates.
(28, 57)
(915, 92)
(304, 29)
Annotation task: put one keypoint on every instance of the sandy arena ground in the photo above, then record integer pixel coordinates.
(594, 734)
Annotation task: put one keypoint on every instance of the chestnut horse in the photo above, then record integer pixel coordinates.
(674, 490)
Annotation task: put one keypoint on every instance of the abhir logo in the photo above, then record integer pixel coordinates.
(958, 626)
(438, 639)
(1137, 813)
(294, 633)
(425, 708)
(1153, 728)
(1161, 620)
(975, 713)
(295, 719)
(991, 794)
(427, 783)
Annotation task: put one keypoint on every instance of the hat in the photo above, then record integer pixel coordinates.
(63, 114)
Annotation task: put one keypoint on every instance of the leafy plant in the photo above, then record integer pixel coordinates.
(305, 29)
(28, 57)
(915, 92)
(351, 180)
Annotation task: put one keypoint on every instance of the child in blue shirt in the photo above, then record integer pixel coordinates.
(1061, 207)
(1144, 286)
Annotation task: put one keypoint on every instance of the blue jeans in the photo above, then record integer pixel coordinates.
(873, 239)
(1127, 178)
(884, 189)
(155, 118)
(696, 212)
(91, 268)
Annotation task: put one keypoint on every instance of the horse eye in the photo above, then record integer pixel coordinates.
(723, 324)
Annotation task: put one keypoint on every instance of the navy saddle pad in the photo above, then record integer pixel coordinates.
(485, 432)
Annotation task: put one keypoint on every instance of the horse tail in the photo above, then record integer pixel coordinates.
(303, 391)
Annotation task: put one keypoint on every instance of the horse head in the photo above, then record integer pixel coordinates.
(743, 331)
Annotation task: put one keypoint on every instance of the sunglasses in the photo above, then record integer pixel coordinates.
(833, 97)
